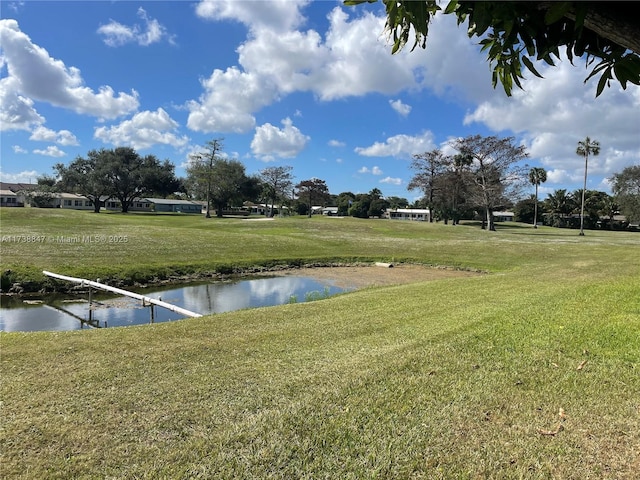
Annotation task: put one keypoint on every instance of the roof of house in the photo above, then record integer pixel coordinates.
(169, 201)
(7, 193)
(16, 187)
(408, 210)
(72, 196)
(503, 214)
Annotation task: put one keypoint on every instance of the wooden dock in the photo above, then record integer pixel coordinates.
(146, 301)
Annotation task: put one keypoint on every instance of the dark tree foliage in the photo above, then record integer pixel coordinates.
(429, 168)
(525, 210)
(606, 34)
(131, 176)
(277, 184)
(367, 205)
(87, 177)
(231, 185)
(344, 202)
(626, 188)
(397, 202)
(313, 190)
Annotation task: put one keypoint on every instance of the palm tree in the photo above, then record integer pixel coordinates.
(536, 177)
(586, 147)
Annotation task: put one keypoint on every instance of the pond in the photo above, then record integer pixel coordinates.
(55, 312)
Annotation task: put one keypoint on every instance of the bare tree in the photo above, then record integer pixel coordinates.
(494, 170)
(201, 170)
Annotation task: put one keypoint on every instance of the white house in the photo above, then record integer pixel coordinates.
(330, 211)
(503, 216)
(72, 201)
(416, 214)
(174, 205)
(9, 199)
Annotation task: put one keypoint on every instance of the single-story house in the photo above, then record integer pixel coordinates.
(18, 189)
(136, 205)
(263, 208)
(9, 199)
(72, 201)
(172, 205)
(156, 205)
(330, 211)
(417, 214)
(503, 216)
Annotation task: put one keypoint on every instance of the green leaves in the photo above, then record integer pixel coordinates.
(509, 29)
(557, 11)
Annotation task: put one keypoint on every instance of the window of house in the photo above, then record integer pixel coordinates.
(67, 203)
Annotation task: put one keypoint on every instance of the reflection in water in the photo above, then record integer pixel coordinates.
(59, 314)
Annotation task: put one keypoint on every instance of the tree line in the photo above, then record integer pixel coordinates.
(219, 182)
(484, 174)
(479, 176)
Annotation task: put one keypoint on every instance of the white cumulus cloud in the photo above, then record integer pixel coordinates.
(63, 137)
(270, 141)
(402, 108)
(50, 151)
(143, 130)
(373, 171)
(26, 176)
(116, 34)
(391, 181)
(273, 15)
(34, 75)
(400, 146)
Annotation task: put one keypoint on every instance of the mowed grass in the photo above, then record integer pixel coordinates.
(529, 371)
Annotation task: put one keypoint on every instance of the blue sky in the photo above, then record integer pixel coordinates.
(308, 85)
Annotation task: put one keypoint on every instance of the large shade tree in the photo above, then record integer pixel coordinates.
(230, 185)
(131, 176)
(312, 190)
(87, 176)
(515, 34)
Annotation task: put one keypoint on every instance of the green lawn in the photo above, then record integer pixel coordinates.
(530, 371)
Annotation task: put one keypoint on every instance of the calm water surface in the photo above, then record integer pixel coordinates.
(72, 313)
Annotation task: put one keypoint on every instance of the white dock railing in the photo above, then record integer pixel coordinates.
(144, 299)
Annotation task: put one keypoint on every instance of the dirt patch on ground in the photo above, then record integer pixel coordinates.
(368, 276)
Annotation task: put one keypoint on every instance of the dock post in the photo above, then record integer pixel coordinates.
(90, 305)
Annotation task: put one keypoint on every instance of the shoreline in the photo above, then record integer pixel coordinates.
(358, 275)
